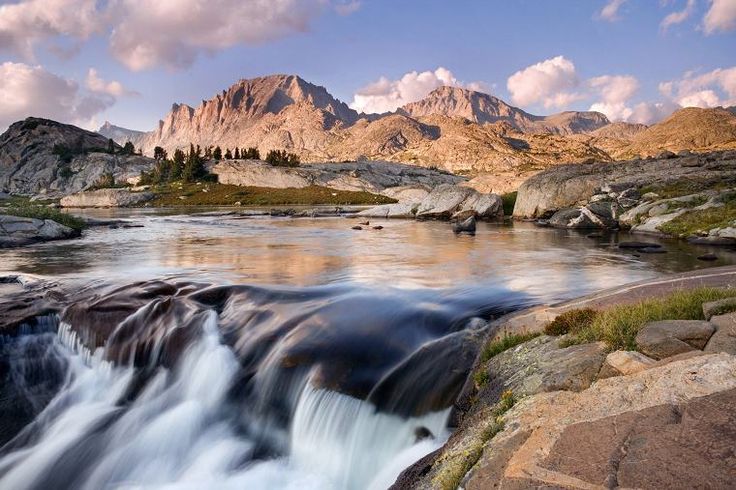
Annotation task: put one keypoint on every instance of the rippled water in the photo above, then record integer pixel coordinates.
(548, 264)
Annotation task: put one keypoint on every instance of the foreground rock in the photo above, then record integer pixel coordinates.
(16, 231)
(671, 337)
(105, 198)
(396, 180)
(671, 426)
(724, 338)
(444, 202)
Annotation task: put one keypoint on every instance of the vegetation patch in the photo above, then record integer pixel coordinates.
(509, 201)
(699, 220)
(215, 194)
(686, 187)
(617, 326)
(456, 465)
(45, 212)
(505, 343)
(571, 321)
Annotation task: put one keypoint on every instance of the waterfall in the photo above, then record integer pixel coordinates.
(163, 385)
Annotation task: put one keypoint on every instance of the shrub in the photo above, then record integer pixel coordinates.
(509, 201)
(571, 321)
(105, 181)
(506, 343)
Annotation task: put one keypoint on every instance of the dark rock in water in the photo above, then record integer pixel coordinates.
(651, 250)
(379, 227)
(357, 228)
(595, 235)
(365, 223)
(542, 223)
(467, 226)
(709, 257)
(712, 240)
(422, 433)
(638, 245)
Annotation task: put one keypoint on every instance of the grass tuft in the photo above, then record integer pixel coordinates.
(505, 343)
(44, 212)
(618, 325)
(509, 201)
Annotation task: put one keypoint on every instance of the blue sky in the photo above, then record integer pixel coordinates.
(619, 63)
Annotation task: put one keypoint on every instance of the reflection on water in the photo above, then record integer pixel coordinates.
(548, 264)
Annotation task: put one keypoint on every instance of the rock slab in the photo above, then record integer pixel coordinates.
(105, 198)
(671, 337)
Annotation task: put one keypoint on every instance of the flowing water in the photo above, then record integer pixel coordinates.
(258, 352)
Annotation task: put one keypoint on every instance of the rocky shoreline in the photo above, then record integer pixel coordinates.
(544, 413)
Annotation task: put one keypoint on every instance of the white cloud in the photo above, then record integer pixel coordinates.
(720, 17)
(710, 89)
(678, 16)
(27, 90)
(550, 82)
(114, 88)
(610, 10)
(614, 91)
(386, 95)
(25, 24)
(347, 7)
(651, 112)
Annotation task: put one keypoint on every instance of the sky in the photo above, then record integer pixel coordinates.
(126, 61)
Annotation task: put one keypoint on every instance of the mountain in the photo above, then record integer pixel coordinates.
(43, 156)
(120, 135)
(483, 108)
(452, 128)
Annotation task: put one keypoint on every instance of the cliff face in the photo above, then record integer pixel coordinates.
(43, 156)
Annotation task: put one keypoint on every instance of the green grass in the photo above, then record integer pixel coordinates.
(685, 187)
(456, 466)
(692, 222)
(617, 326)
(505, 343)
(481, 378)
(44, 212)
(509, 200)
(228, 195)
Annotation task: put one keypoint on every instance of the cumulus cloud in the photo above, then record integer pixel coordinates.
(386, 95)
(610, 10)
(25, 24)
(550, 82)
(150, 33)
(678, 16)
(27, 90)
(651, 112)
(114, 88)
(720, 17)
(614, 92)
(710, 89)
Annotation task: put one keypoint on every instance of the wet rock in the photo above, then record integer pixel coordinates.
(357, 228)
(378, 227)
(670, 337)
(466, 226)
(724, 338)
(18, 231)
(624, 363)
(712, 240)
(709, 257)
(105, 198)
(638, 245)
(651, 250)
(719, 307)
(422, 433)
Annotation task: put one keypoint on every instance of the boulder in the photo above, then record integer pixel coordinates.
(105, 198)
(724, 339)
(467, 226)
(624, 363)
(670, 337)
(719, 307)
(585, 217)
(18, 231)
(446, 201)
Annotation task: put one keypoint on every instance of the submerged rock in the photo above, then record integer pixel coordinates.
(466, 226)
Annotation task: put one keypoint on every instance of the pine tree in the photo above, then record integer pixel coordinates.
(110, 146)
(217, 154)
(228, 154)
(159, 154)
(237, 153)
(177, 165)
(128, 148)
